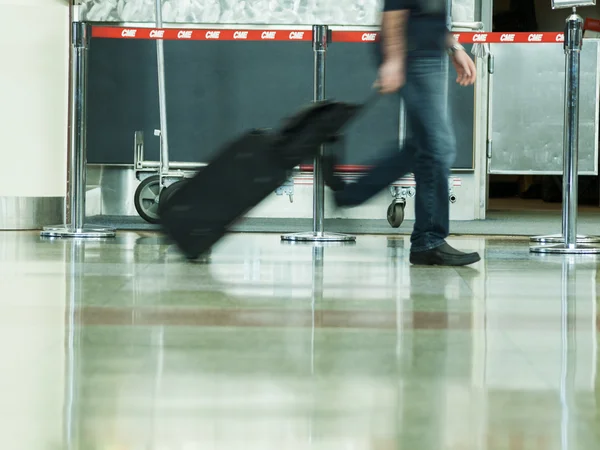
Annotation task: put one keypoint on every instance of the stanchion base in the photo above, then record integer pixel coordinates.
(312, 236)
(559, 239)
(562, 249)
(65, 231)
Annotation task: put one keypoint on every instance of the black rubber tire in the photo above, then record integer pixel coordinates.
(395, 214)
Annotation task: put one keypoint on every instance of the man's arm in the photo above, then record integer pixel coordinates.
(465, 68)
(393, 29)
(393, 32)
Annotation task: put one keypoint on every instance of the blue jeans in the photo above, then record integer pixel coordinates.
(428, 153)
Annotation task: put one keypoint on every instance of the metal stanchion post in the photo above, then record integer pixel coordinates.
(576, 43)
(162, 99)
(320, 41)
(570, 242)
(77, 168)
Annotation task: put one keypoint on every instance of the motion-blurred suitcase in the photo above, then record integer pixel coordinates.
(248, 169)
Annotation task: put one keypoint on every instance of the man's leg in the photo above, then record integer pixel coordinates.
(394, 164)
(425, 102)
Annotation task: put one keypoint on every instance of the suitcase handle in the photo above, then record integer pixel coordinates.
(371, 100)
(373, 97)
(299, 120)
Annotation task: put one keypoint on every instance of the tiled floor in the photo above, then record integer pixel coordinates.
(264, 345)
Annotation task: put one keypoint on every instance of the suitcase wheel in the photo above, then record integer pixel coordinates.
(168, 192)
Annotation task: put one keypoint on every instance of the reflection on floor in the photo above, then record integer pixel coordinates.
(264, 345)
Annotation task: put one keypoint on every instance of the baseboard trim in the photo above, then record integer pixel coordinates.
(30, 213)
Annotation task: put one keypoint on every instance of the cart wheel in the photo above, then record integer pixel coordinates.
(147, 198)
(395, 214)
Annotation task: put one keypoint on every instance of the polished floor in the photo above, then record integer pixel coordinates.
(123, 345)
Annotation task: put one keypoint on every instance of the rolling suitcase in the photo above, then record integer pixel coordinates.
(248, 169)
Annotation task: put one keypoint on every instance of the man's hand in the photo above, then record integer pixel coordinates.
(465, 68)
(392, 76)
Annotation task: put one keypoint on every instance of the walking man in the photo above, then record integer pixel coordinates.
(414, 41)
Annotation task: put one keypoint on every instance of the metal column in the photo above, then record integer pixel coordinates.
(162, 100)
(570, 242)
(77, 168)
(320, 41)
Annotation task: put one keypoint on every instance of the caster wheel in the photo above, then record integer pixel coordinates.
(395, 214)
(146, 199)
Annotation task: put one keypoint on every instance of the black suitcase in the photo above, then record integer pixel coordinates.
(198, 213)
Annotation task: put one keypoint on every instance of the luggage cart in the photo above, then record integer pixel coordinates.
(160, 179)
(406, 188)
(152, 186)
(158, 182)
(401, 190)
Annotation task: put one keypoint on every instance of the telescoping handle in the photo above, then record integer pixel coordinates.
(373, 97)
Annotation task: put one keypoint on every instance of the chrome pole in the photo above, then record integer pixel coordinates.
(320, 49)
(573, 44)
(320, 44)
(569, 241)
(573, 39)
(77, 146)
(78, 124)
(162, 97)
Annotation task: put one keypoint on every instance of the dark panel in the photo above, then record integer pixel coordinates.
(351, 71)
(462, 111)
(216, 90)
(122, 98)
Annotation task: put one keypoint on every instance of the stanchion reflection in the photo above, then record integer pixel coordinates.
(75, 288)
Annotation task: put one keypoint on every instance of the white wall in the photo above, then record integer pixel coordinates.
(33, 97)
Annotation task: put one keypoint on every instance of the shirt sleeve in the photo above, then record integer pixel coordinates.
(396, 5)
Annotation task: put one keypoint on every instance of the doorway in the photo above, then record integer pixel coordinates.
(521, 192)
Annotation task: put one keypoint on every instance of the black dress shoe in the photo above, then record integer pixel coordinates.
(444, 255)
